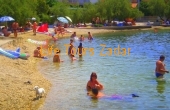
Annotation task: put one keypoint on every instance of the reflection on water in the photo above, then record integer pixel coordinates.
(122, 75)
(160, 86)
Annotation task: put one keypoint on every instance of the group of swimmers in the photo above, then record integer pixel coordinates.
(93, 85)
(56, 58)
(81, 38)
(80, 47)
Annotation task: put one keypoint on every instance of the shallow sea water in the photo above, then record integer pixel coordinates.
(121, 75)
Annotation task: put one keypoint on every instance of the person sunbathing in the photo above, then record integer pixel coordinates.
(5, 32)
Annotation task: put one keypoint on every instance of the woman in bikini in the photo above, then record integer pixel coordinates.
(93, 83)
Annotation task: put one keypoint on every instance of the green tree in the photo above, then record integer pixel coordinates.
(121, 9)
(60, 9)
(51, 3)
(157, 7)
(144, 7)
(167, 9)
(20, 10)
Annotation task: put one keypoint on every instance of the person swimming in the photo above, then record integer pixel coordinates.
(95, 93)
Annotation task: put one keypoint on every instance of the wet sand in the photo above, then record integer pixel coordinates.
(15, 92)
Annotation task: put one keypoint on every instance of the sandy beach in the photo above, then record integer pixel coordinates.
(15, 92)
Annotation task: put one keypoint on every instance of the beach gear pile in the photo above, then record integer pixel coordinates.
(14, 54)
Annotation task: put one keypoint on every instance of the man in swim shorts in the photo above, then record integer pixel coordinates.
(160, 67)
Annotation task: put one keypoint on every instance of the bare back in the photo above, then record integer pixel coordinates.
(160, 67)
(56, 58)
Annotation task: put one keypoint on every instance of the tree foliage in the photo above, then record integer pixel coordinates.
(144, 7)
(21, 10)
(157, 7)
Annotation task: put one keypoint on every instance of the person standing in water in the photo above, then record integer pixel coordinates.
(81, 38)
(73, 35)
(56, 57)
(160, 67)
(71, 51)
(90, 37)
(93, 82)
(80, 50)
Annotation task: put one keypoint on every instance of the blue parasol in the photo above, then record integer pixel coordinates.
(62, 19)
(6, 18)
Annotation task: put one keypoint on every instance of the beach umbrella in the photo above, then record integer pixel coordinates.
(6, 18)
(68, 18)
(33, 19)
(62, 19)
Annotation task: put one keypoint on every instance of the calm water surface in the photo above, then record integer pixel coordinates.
(122, 75)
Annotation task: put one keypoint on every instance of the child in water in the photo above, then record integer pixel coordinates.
(56, 57)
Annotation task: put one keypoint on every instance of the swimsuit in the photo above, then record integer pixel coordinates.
(158, 74)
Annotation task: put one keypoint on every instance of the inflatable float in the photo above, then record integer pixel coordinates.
(14, 54)
(5, 53)
(24, 56)
(37, 42)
